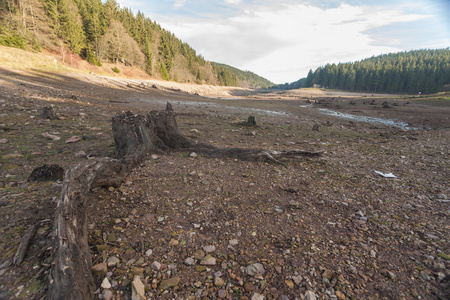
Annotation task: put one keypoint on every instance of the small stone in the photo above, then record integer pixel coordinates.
(189, 261)
(425, 276)
(249, 287)
(111, 237)
(199, 254)
(3, 141)
(309, 295)
(169, 283)
(219, 282)
(297, 279)
(208, 260)
(113, 261)
(327, 274)
(209, 249)
(222, 294)
(138, 289)
(51, 136)
(289, 283)
(80, 154)
(137, 271)
(233, 242)
(257, 296)
(100, 269)
(193, 154)
(340, 295)
(200, 268)
(156, 266)
(73, 139)
(106, 284)
(255, 269)
(108, 295)
(173, 243)
(149, 252)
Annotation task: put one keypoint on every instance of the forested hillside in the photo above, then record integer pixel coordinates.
(104, 32)
(425, 71)
(230, 76)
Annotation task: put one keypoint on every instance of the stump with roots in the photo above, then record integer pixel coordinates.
(135, 136)
(48, 112)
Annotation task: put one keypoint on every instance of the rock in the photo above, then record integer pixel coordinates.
(108, 295)
(51, 136)
(106, 284)
(219, 282)
(340, 295)
(189, 261)
(3, 141)
(73, 139)
(193, 154)
(257, 296)
(137, 289)
(199, 254)
(309, 295)
(149, 252)
(327, 274)
(169, 283)
(444, 256)
(137, 271)
(295, 204)
(233, 242)
(255, 269)
(156, 266)
(100, 269)
(289, 283)
(425, 276)
(208, 260)
(297, 279)
(80, 154)
(222, 294)
(113, 261)
(209, 249)
(173, 243)
(249, 287)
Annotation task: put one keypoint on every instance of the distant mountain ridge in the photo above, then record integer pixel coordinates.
(104, 32)
(412, 72)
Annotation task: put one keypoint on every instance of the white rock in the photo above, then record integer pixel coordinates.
(209, 249)
(156, 266)
(309, 295)
(233, 242)
(189, 261)
(106, 284)
(255, 269)
(257, 296)
(149, 252)
(138, 289)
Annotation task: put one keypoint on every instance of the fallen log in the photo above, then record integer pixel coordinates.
(71, 276)
(24, 244)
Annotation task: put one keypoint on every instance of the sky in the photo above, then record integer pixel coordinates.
(281, 40)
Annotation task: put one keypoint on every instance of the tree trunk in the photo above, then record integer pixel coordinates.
(71, 275)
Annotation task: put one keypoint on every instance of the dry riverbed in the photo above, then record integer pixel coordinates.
(183, 226)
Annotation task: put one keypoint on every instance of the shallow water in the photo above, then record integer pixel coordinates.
(387, 122)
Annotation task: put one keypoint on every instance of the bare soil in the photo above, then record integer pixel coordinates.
(327, 227)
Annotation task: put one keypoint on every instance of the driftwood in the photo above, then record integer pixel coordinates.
(71, 275)
(24, 244)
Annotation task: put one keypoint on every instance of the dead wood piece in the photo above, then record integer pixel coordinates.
(47, 173)
(48, 112)
(71, 276)
(24, 244)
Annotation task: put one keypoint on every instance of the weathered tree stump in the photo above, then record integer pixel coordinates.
(48, 112)
(251, 121)
(47, 173)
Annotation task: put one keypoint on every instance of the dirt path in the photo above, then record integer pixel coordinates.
(192, 227)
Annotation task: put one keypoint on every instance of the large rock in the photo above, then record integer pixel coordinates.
(255, 269)
(137, 289)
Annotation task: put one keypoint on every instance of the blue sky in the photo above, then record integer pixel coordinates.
(282, 39)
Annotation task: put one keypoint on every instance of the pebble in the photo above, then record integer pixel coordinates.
(108, 295)
(173, 243)
(208, 260)
(73, 139)
(257, 296)
(193, 154)
(112, 261)
(106, 284)
(297, 279)
(199, 254)
(309, 295)
(219, 282)
(209, 249)
(169, 283)
(255, 269)
(189, 261)
(233, 242)
(80, 154)
(138, 289)
(149, 252)
(222, 294)
(156, 266)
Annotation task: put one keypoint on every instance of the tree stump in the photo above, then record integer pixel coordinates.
(48, 112)
(251, 121)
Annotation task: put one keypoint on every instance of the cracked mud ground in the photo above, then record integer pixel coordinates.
(192, 227)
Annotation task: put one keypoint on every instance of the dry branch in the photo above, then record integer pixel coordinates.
(24, 244)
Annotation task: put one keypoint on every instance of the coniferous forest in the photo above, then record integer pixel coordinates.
(420, 71)
(104, 32)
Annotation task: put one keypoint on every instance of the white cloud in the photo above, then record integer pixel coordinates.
(283, 40)
(178, 3)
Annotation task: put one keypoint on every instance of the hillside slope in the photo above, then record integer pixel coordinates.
(106, 33)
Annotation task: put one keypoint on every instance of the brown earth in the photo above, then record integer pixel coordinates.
(325, 228)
